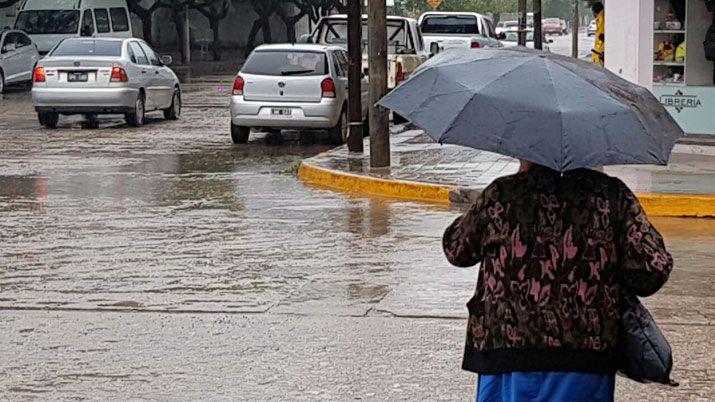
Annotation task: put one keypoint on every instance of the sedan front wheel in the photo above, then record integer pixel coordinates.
(174, 111)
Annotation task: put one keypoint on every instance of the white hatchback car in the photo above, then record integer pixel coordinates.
(18, 56)
(104, 76)
(298, 87)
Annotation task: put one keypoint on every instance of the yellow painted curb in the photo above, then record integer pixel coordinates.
(373, 185)
(667, 205)
(685, 205)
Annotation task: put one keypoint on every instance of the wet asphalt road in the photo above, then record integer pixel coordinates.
(166, 263)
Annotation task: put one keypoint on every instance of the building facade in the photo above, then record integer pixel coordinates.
(659, 45)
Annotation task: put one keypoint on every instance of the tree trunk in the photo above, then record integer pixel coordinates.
(179, 25)
(290, 31)
(266, 23)
(251, 41)
(497, 18)
(216, 45)
(147, 27)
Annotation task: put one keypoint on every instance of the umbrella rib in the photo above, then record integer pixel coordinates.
(483, 87)
(582, 78)
(429, 99)
(607, 93)
(561, 115)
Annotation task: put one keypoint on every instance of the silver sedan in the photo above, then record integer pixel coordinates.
(104, 76)
(288, 86)
(18, 56)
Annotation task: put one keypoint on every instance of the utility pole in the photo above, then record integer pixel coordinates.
(187, 37)
(377, 56)
(574, 29)
(355, 137)
(522, 22)
(538, 34)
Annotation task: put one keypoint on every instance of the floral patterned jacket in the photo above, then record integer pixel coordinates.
(556, 252)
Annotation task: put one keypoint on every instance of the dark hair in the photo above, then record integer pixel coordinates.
(597, 7)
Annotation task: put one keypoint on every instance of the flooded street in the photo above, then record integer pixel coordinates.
(166, 263)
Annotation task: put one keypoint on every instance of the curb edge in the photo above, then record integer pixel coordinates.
(664, 205)
(350, 182)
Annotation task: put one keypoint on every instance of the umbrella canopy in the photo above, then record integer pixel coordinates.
(552, 110)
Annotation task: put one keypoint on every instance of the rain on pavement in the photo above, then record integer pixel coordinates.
(166, 263)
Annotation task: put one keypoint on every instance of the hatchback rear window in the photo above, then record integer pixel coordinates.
(88, 48)
(282, 62)
(452, 24)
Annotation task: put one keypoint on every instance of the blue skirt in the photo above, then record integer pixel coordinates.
(546, 386)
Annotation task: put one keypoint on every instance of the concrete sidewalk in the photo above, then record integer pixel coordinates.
(424, 170)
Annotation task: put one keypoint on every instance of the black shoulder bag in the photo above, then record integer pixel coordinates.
(645, 353)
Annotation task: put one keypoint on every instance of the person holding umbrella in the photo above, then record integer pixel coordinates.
(559, 243)
(598, 53)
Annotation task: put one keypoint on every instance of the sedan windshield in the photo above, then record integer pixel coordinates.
(88, 47)
(36, 22)
(450, 24)
(286, 62)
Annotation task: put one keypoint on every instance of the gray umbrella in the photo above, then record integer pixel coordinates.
(553, 110)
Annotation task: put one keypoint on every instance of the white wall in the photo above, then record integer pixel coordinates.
(629, 40)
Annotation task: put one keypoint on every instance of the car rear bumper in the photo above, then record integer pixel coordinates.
(84, 100)
(317, 115)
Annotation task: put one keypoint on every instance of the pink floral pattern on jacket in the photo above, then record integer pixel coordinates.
(556, 252)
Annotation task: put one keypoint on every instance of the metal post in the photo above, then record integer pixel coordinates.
(187, 36)
(574, 30)
(522, 22)
(379, 116)
(355, 137)
(538, 34)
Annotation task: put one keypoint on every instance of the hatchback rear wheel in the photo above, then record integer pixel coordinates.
(49, 119)
(174, 111)
(136, 118)
(339, 133)
(2, 82)
(240, 134)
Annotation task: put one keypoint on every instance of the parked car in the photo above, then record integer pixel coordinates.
(552, 26)
(18, 56)
(446, 30)
(405, 50)
(104, 76)
(48, 22)
(512, 39)
(284, 86)
(591, 30)
(507, 26)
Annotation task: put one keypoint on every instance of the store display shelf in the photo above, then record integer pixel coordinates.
(668, 84)
(670, 31)
(669, 63)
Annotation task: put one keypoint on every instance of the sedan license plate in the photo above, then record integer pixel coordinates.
(281, 111)
(77, 77)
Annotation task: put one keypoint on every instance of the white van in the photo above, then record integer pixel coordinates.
(49, 21)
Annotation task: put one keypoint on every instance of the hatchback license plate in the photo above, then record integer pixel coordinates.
(281, 111)
(77, 77)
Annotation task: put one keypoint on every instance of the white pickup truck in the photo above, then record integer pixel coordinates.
(405, 51)
(446, 30)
